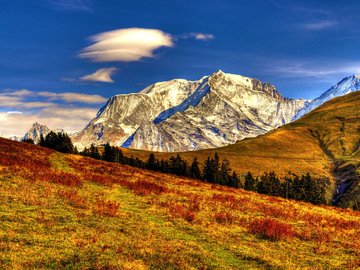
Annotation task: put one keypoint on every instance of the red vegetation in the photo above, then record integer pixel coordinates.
(106, 208)
(224, 218)
(73, 197)
(272, 229)
(142, 187)
(181, 211)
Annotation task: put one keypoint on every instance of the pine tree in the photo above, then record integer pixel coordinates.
(249, 182)
(108, 154)
(216, 168)
(31, 141)
(208, 173)
(151, 163)
(94, 152)
(235, 181)
(195, 170)
(42, 140)
(224, 176)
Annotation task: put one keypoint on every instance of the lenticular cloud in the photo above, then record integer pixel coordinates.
(126, 45)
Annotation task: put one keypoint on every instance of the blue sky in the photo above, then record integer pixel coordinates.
(55, 50)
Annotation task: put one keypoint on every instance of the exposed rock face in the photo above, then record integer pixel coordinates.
(181, 115)
(36, 131)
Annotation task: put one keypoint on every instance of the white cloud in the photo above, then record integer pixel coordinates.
(126, 45)
(313, 69)
(24, 98)
(101, 75)
(198, 36)
(202, 36)
(21, 108)
(70, 119)
(73, 5)
(72, 97)
(319, 25)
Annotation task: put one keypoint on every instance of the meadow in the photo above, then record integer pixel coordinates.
(324, 143)
(67, 211)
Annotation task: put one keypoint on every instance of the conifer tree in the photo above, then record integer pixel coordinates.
(249, 182)
(108, 154)
(195, 170)
(151, 163)
(94, 152)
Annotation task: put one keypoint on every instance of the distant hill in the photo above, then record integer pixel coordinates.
(324, 143)
(64, 211)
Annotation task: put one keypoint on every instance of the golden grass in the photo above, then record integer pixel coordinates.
(118, 217)
(293, 147)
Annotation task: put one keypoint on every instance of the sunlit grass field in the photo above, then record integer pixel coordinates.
(65, 211)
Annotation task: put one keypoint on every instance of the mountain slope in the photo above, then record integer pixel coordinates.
(124, 114)
(216, 110)
(63, 211)
(345, 86)
(35, 132)
(324, 143)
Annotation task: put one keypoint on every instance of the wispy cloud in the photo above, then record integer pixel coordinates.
(319, 25)
(300, 7)
(71, 119)
(73, 5)
(69, 111)
(101, 75)
(72, 97)
(198, 36)
(126, 45)
(319, 70)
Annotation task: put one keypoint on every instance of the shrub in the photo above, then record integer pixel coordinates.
(181, 211)
(144, 188)
(224, 218)
(272, 229)
(73, 197)
(106, 208)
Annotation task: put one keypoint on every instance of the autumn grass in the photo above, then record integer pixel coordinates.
(119, 217)
(293, 147)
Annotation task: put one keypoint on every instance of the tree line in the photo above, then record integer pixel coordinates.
(213, 170)
(58, 141)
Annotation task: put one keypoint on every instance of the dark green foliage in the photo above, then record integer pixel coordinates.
(94, 152)
(195, 170)
(58, 141)
(42, 140)
(250, 183)
(31, 141)
(151, 163)
(302, 188)
(109, 153)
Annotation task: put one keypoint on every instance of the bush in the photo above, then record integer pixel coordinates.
(107, 208)
(272, 229)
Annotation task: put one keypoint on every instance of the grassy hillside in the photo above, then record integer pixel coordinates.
(64, 211)
(324, 143)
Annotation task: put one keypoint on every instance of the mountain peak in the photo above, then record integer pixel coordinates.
(345, 86)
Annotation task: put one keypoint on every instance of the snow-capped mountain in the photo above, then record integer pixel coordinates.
(345, 86)
(182, 115)
(36, 131)
(15, 138)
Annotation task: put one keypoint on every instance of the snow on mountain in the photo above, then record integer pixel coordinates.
(345, 86)
(182, 115)
(233, 107)
(122, 115)
(36, 131)
(15, 138)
